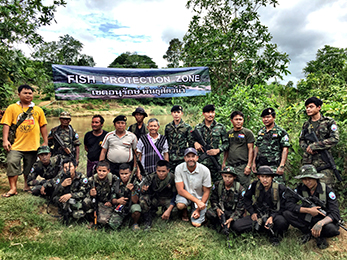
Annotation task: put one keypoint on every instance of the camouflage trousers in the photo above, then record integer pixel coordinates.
(329, 176)
(103, 212)
(213, 218)
(36, 190)
(150, 203)
(215, 175)
(117, 218)
(71, 207)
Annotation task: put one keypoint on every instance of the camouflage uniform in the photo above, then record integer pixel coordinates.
(159, 193)
(103, 191)
(328, 135)
(229, 201)
(179, 139)
(119, 190)
(78, 189)
(270, 145)
(213, 136)
(69, 136)
(46, 172)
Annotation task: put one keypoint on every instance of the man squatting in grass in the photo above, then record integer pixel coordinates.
(158, 190)
(308, 219)
(125, 198)
(27, 137)
(226, 198)
(193, 184)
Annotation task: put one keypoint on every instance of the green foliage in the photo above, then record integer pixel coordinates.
(173, 53)
(227, 36)
(133, 60)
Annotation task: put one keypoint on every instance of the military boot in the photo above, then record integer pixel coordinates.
(147, 218)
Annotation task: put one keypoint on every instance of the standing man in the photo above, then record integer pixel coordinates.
(215, 136)
(93, 141)
(118, 146)
(152, 147)
(193, 184)
(240, 152)
(178, 137)
(327, 133)
(272, 145)
(139, 128)
(27, 137)
(64, 139)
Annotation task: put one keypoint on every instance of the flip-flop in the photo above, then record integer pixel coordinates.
(27, 190)
(7, 195)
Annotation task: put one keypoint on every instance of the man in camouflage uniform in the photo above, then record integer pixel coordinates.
(226, 198)
(308, 219)
(139, 128)
(215, 136)
(70, 190)
(272, 146)
(178, 136)
(46, 168)
(159, 189)
(68, 135)
(99, 196)
(327, 133)
(125, 197)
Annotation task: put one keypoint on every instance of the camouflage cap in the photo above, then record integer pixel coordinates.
(65, 115)
(266, 170)
(228, 169)
(43, 149)
(309, 171)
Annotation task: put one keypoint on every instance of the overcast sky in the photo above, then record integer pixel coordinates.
(110, 28)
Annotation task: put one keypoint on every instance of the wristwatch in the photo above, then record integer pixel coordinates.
(281, 166)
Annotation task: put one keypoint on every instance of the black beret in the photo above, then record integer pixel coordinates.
(268, 111)
(120, 118)
(176, 108)
(208, 108)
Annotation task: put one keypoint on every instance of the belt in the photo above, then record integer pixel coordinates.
(238, 164)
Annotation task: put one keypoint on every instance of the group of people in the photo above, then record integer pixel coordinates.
(133, 171)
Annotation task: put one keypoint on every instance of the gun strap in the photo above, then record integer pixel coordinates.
(22, 118)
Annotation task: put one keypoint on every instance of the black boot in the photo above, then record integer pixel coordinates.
(147, 218)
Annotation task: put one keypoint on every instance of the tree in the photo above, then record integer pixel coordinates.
(133, 60)
(20, 20)
(173, 53)
(227, 36)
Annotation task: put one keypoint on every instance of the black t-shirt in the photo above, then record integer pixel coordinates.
(93, 144)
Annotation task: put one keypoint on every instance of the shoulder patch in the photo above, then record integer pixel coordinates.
(333, 127)
(283, 195)
(76, 136)
(332, 195)
(32, 170)
(213, 187)
(286, 138)
(85, 180)
(250, 186)
(57, 182)
(243, 193)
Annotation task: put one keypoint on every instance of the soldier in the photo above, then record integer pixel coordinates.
(266, 209)
(193, 184)
(178, 137)
(272, 145)
(152, 147)
(70, 190)
(158, 190)
(239, 155)
(125, 197)
(327, 133)
(307, 218)
(64, 134)
(215, 136)
(47, 168)
(93, 141)
(139, 128)
(99, 197)
(226, 198)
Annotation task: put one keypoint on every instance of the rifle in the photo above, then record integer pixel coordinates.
(197, 136)
(263, 217)
(63, 145)
(13, 128)
(96, 206)
(315, 202)
(326, 156)
(222, 220)
(140, 166)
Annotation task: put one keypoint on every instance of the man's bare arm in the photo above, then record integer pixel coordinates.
(102, 154)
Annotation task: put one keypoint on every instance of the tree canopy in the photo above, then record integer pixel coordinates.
(133, 60)
(173, 53)
(227, 36)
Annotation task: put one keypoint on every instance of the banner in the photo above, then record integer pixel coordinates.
(77, 82)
